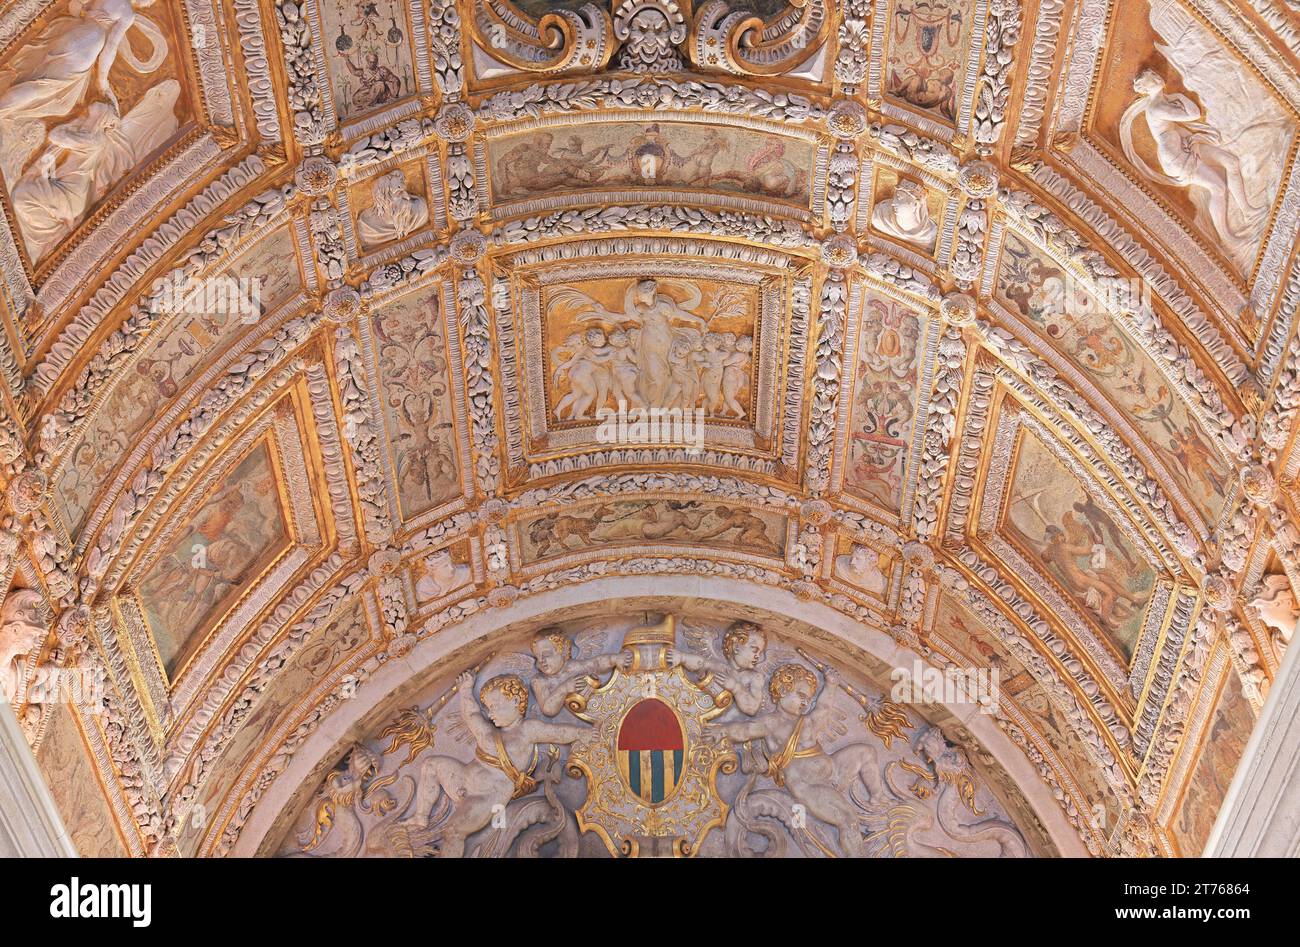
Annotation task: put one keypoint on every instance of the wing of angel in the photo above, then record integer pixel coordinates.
(455, 725)
(591, 642)
(513, 662)
(702, 641)
(566, 300)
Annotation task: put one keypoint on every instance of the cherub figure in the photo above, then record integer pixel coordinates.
(559, 674)
(623, 368)
(787, 745)
(685, 356)
(588, 370)
(743, 648)
(713, 355)
(735, 373)
(505, 758)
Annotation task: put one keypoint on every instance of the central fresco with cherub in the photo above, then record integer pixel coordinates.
(651, 737)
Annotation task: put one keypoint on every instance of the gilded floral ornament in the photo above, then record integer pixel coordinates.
(817, 511)
(840, 251)
(1259, 485)
(316, 176)
(468, 247)
(27, 492)
(454, 123)
(385, 562)
(919, 556)
(958, 310)
(1218, 592)
(847, 119)
(341, 305)
(494, 510)
(978, 179)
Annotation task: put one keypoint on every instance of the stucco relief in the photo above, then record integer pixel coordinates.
(619, 738)
(483, 290)
(1202, 128)
(84, 107)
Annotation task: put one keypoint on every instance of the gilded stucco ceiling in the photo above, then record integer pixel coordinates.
(977, 317)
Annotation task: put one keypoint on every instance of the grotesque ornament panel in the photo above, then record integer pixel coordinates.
(367, 54)
(927, 44)
(413, 363)
(885, 390)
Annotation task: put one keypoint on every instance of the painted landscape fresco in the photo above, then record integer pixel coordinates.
(1079, 545)
(1079, 325)
(225, 542)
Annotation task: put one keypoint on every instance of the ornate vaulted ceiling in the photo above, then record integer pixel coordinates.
(980, 317)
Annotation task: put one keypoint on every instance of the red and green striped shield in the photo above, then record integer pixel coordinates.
(651, 749)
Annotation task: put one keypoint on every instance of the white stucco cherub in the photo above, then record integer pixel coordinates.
(505, 760)
(559, 674)
(21, 632)
(791, 741)
(737, 669)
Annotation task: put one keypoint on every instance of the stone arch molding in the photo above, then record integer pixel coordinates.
(912, 256)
